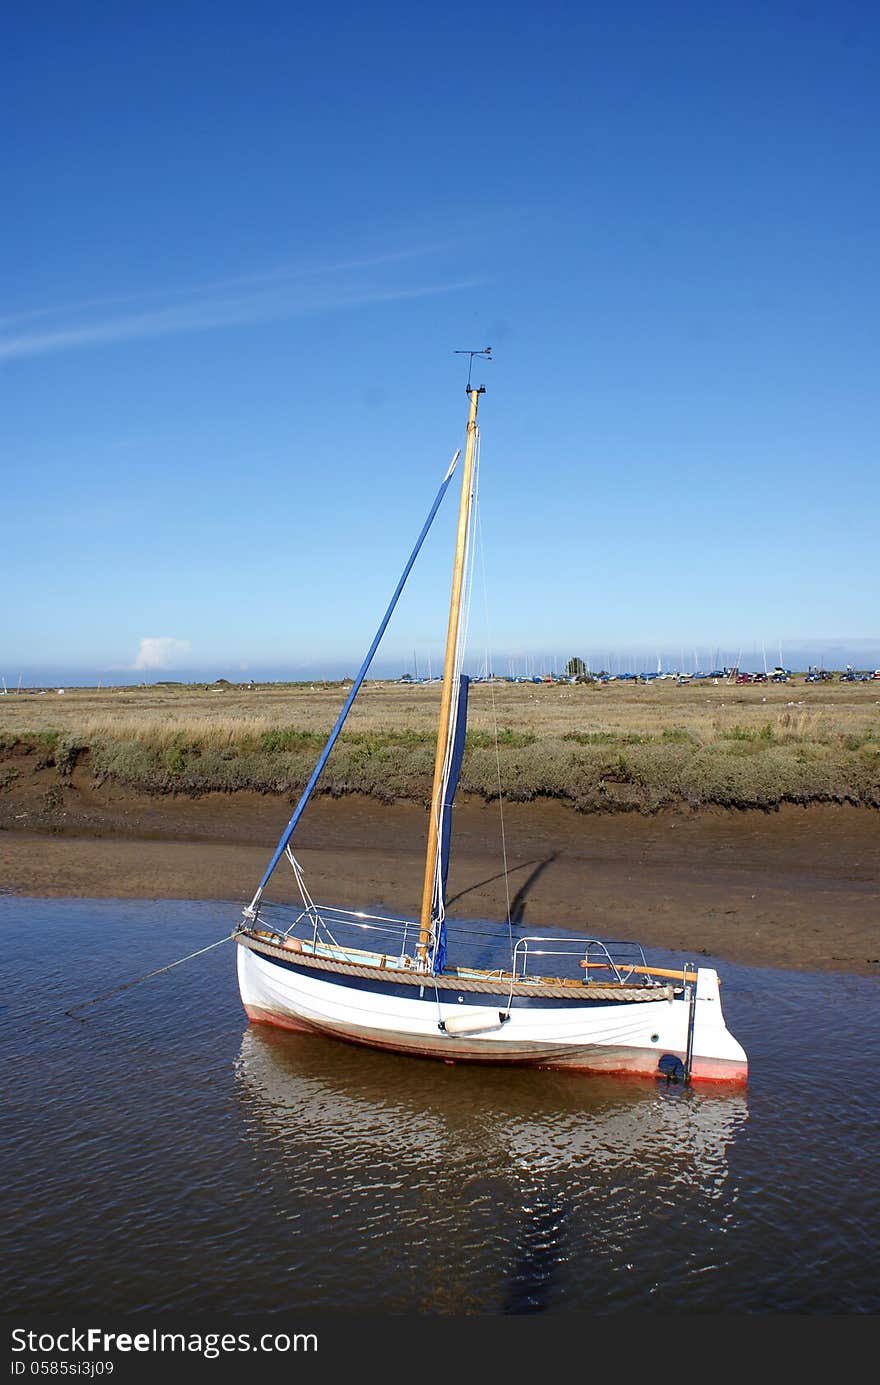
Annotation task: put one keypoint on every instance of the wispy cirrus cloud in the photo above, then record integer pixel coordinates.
(287, 291)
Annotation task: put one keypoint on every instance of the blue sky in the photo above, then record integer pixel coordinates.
(241, 244)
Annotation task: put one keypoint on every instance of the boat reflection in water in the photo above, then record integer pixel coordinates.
(418, 1187)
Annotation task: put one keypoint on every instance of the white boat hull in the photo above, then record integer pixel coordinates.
(608, 1037)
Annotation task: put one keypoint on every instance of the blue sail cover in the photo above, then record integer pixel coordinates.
(438, 957)
(362, 673)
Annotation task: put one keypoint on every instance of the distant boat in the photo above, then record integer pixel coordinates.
(547, 999)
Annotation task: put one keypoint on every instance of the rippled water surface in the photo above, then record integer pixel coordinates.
(165, 1154)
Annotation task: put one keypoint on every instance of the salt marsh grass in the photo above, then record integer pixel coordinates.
(603, 747)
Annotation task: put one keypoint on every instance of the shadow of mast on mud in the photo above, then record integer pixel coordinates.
(518, 902)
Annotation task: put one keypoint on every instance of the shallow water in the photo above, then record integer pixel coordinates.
(167, 1155)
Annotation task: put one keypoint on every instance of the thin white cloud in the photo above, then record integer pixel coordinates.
(201, 316)
(280, 274)
(279, 293)
(160, 651)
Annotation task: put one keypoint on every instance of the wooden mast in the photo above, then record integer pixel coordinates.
(448, 691)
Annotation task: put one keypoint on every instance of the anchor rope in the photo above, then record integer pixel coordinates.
(126, 985)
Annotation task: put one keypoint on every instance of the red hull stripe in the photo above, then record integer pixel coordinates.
(708, 1070)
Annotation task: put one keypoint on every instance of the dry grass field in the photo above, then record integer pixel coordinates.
(598, 747)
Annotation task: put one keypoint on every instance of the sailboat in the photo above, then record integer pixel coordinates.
(428, 987)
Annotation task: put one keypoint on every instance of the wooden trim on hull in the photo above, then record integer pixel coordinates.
(498, 986)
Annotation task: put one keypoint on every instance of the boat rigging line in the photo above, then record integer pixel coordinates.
(490, 673)
(127, 985)
(252, 911)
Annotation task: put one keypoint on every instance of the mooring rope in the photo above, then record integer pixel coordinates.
(126, 985)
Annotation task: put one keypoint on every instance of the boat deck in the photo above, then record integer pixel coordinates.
(349, 961)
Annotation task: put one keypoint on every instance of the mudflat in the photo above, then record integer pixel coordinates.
(797, 888)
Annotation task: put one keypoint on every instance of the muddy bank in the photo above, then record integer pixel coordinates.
(798, 888)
